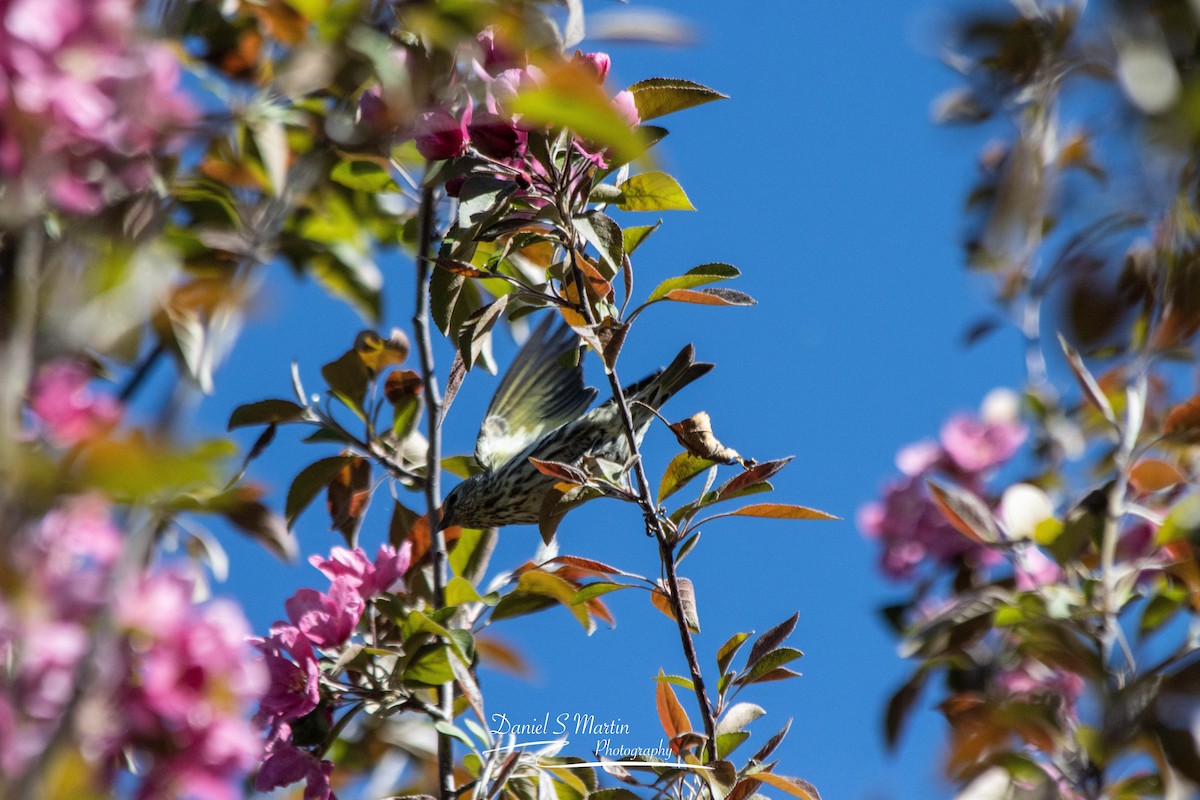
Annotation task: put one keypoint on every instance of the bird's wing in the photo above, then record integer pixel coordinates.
(536, 395)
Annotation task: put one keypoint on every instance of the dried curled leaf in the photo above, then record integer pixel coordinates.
(696, 436)
(378, 353)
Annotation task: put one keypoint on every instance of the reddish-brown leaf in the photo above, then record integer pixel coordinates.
(751, 477)
(401, 383)
(781, 511)
(559, 471)
(1183, 422)
(348, 496)
(966, 512)
(1151, 475)
(670, 713)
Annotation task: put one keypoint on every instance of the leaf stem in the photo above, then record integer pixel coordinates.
(433, 461)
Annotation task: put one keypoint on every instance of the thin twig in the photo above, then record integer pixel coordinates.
(666, 547)
(433, 461)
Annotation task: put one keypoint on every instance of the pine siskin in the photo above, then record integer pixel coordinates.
(538, 412)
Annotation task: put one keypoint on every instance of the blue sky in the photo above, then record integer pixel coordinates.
(824, 180)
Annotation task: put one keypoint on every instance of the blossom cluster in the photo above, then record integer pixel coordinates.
(488, 126)
(137, 670)
(908, 525)
(318, 623)
(84, 104)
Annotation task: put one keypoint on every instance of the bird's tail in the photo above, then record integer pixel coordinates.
(656, 389)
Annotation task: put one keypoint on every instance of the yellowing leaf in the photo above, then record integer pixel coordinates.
(653, 191)
(656, 97)
(793, 786)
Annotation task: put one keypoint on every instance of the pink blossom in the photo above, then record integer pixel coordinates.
(286, 764)
(370, 578)
(975, 445)
(327, 620)
(295, 686)
(390, 566)
(495, 57)
(69, 411)
(627, 107)
(919, 457)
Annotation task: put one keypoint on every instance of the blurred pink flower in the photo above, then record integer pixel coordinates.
(912, 530)
(192, 680)
(1034, 568)
(1035, 681)
(83, 100)
(69, 411)
(976, 445)
(919, 457)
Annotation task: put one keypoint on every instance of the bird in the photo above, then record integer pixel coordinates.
(538, 412)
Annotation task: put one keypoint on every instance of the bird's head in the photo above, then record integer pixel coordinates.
(459, 506)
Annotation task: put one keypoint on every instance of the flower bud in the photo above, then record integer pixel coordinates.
(494, 137)
(597, 63)
(439, 135)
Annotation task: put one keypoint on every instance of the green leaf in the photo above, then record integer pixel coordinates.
(473, 333)
(604, 235)
(459, 591)
(430, 666)
(366, 176)
(461, 466)
(347, 378)
(679, 472)
(728, 650)
(656, 97)
(636, 234)
(550, 585)
(311, 480)
(595, 590)
(405, 415)
(728, 742)
(518, 604)
(265, 412)
(480, 196)
(696, 276)
(653, 191)
(710, 297)
(768, 663)
(613, 794)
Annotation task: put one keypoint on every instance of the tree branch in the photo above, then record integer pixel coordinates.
(433, 462)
